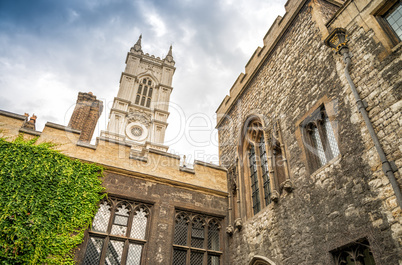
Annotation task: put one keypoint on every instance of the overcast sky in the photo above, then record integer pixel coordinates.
(52, 49)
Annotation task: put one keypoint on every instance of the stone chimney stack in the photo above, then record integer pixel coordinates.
(86, 114)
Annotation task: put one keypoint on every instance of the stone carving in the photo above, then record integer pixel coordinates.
(275, 196)
(140, 116)
(229, 230)
(288, 185)
(238, 223)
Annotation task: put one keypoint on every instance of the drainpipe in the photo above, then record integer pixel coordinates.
(387, 167)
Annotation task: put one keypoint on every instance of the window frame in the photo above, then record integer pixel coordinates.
(114, 202)
(317, 120)
(359, 248)
(188, 248)
(252, 140)
(145, 91)
(380, 17)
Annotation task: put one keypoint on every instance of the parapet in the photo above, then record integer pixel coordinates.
(148, 163)
(271, 38)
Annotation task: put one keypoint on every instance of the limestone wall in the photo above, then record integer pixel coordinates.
(350, 197)
(154, 165)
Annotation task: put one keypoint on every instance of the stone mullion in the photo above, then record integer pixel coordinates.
(324, 141)
(109, 228)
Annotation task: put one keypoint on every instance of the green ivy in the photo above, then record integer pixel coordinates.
(47, 200)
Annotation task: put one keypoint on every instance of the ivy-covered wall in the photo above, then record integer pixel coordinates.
(47, 200)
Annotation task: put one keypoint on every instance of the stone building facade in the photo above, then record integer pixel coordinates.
(305, 181)
(301, 179)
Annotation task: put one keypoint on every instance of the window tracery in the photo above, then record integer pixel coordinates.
(197, 240)
(118, 233)
(319, 139)
(263, 164)
(144, 92)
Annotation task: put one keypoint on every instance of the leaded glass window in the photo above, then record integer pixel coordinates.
(319, 139)
(118, 233)
(255, 190)
(196, 240)
(394, 19)
(144, 93)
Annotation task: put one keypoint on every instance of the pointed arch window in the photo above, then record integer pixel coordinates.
(118, 233)
(144, 93)
(197, 240)
(258, 183)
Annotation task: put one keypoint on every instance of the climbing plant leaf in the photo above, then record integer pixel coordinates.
(47, 200)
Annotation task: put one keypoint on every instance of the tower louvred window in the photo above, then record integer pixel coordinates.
(144, 93)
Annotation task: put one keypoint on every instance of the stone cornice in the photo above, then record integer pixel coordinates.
(157, 179)
(13, 115)
(61, 127)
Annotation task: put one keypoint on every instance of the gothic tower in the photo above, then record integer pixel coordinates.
(140, 110)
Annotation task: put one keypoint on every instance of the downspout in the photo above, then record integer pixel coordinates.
(386, 165)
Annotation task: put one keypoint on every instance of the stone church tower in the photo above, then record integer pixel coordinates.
(140, 110)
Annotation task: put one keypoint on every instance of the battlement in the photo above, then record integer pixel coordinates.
(148, 162)
(271, 38)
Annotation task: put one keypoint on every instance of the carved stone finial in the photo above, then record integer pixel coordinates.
(275, 196)
(238, 223)
(169, 56)
(137, 45)
(184, 160)
(288, 185)
(230, 230)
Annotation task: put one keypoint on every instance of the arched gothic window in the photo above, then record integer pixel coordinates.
(144, 92)
(263, 166)
(256, 167)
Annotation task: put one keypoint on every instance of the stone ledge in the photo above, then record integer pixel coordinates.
(61, 127)
(105, 139)
(31, 132)
(188, 170)
(159, 179)
(202, 163)
(139, 158)
(86, 145)
(123, 100)
(13, 115)
(159, 152)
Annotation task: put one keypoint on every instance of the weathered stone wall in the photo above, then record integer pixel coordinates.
(165, 199)
(350, 197)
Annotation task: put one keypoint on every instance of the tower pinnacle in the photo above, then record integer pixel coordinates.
(137, 45)
(169, 56)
